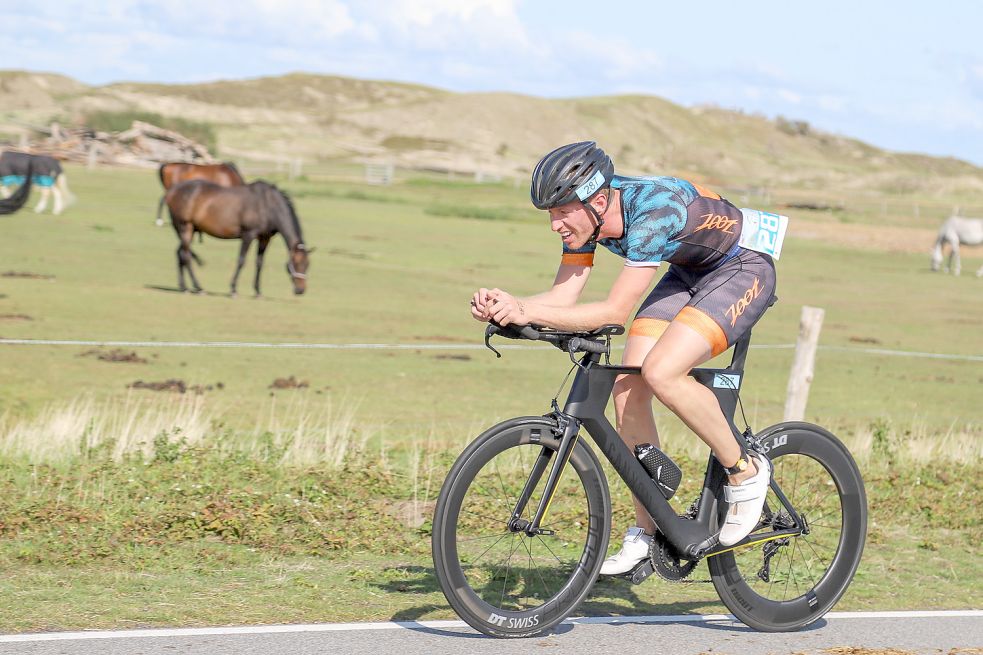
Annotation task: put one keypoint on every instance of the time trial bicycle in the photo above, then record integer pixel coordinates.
(522, 522)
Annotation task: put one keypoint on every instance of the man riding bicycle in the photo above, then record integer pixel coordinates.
(712, 294)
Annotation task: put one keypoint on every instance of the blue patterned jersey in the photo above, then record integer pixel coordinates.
(668, 219)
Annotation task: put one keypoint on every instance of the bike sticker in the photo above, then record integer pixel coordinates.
(763, 232)
(725, 381)
(587, 189)
(496, 619)
(520, 622)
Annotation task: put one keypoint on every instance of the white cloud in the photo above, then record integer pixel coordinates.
(431, 12)
(459, 26)
(788, 96)
(751, 92)
(832, 103)
(513, 45)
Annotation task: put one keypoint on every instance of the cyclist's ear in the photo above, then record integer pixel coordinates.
(600, 200)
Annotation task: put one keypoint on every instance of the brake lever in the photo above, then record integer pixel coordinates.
(491, 331)
(572, 346)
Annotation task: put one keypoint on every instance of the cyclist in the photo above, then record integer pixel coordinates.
(712, 293)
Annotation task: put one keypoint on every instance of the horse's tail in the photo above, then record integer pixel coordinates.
(160, 173)
(160, 208)
(19, 197)
(199, 260)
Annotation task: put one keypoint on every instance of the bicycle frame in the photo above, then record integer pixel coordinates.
(585, 405)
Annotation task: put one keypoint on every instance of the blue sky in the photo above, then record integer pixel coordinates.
(902, 75)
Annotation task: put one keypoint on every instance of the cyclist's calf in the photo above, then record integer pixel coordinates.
(633, 407)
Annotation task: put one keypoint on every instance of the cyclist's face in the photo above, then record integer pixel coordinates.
(572, 223)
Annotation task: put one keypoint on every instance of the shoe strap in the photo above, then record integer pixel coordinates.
(753, 489)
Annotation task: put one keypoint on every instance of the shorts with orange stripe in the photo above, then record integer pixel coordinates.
(721, 303)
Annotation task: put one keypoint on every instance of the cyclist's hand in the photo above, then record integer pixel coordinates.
(479, 305)
(505, 309)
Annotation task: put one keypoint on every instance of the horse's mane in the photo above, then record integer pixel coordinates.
(235, 169)
(295, 221)
(293, 212)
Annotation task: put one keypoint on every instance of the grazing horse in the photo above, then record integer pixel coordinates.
(12, 203)
(956, 231)
(255, 211)
(47, 175)
(173, 173)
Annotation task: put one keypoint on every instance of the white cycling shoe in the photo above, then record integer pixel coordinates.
(746, 501)
(634, 549)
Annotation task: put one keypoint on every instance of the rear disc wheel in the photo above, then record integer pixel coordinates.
(788, 583)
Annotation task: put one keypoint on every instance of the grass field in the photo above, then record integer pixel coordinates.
(396, 265)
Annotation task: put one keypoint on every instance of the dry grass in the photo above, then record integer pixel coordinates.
(304, 432)
(301, 432)
(916, 443)
(120, 427)
(310, 434)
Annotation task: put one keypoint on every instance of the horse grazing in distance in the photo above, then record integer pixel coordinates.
(175, 172)
(956, 231)
(47, 174)
(12, 203)
(255, 211)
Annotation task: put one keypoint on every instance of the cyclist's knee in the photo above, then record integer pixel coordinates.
(661, 381)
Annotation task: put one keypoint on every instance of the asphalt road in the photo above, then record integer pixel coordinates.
(884, 633)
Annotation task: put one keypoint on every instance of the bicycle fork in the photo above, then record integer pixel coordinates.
(569, 429)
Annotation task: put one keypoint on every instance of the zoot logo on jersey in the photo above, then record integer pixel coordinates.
(713, 221)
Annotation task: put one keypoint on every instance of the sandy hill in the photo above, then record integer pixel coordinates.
(319, 117)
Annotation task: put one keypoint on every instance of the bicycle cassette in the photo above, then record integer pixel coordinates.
(666, 563)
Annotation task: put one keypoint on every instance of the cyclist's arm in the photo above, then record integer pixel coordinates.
(567, 286)
(628, 289)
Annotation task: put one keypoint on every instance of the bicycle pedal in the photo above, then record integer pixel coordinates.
(640, 573)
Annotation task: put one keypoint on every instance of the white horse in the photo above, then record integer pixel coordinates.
(957, 230)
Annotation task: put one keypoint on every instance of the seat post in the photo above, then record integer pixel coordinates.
(740, 352)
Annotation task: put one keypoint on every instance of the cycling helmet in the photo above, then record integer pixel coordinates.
(571, 172)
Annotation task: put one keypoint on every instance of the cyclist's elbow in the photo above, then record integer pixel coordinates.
(617, 315)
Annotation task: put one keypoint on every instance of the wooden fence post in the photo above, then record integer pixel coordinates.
(803, 366)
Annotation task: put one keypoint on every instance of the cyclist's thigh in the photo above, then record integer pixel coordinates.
(733, 296)
(654, 315)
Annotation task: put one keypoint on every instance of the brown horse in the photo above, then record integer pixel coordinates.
(255, 211)
(175, 172)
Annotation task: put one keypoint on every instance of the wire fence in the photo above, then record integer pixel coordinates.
(427, 346)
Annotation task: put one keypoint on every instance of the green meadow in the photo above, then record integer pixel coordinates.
(294, 484)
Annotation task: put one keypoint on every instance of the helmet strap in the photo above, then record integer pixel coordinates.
(597, 218)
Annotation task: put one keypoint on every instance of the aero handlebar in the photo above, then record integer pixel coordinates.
(596, 341)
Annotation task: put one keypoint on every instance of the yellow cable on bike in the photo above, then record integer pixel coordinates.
(549, 501)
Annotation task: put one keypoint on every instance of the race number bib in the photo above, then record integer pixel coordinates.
(763, 232)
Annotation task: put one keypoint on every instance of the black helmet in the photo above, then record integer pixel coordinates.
(573, 171)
